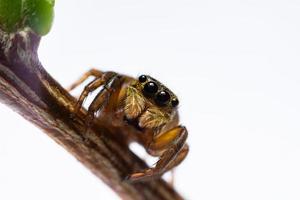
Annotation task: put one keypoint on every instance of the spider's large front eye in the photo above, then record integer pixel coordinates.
(162, 98)
(150, 88)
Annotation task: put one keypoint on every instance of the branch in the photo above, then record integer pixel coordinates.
(28, 89)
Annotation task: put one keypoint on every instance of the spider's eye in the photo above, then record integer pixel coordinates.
(150, 88)
(174, 102)
(162, 98)
(142, 78)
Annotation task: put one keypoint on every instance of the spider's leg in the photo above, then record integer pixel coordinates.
(180, 157)
(92, 72)
(91, 87)
(103, 97)
(172, 144)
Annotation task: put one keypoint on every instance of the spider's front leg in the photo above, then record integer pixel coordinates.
(172, 144)
(110, 82)
(92, 72)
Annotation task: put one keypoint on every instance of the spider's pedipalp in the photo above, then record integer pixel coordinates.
(134, 103)
(153, 118)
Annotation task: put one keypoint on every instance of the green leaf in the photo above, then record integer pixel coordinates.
(10, 14)
(39, 15)
(18, 14)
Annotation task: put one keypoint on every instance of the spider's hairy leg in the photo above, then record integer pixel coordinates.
(179, 158)
(103, 98)
(92, 72)
(172, 144)
(92, 86)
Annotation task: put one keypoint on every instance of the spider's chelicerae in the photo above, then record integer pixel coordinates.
(143, 108)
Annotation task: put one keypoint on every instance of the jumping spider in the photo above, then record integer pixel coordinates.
(144, 109)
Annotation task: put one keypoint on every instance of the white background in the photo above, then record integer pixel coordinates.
(234, 65)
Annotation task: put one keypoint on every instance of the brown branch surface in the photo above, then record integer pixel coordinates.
(28, 89)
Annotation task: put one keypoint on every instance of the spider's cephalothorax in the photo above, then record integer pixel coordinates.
(143, 109)
(150, 103)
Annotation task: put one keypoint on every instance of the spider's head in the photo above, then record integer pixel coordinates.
(150, 101)
(156, 92)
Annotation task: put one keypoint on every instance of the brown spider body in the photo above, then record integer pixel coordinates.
(144, 110)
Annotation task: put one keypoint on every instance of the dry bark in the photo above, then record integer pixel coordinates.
(27, 88)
